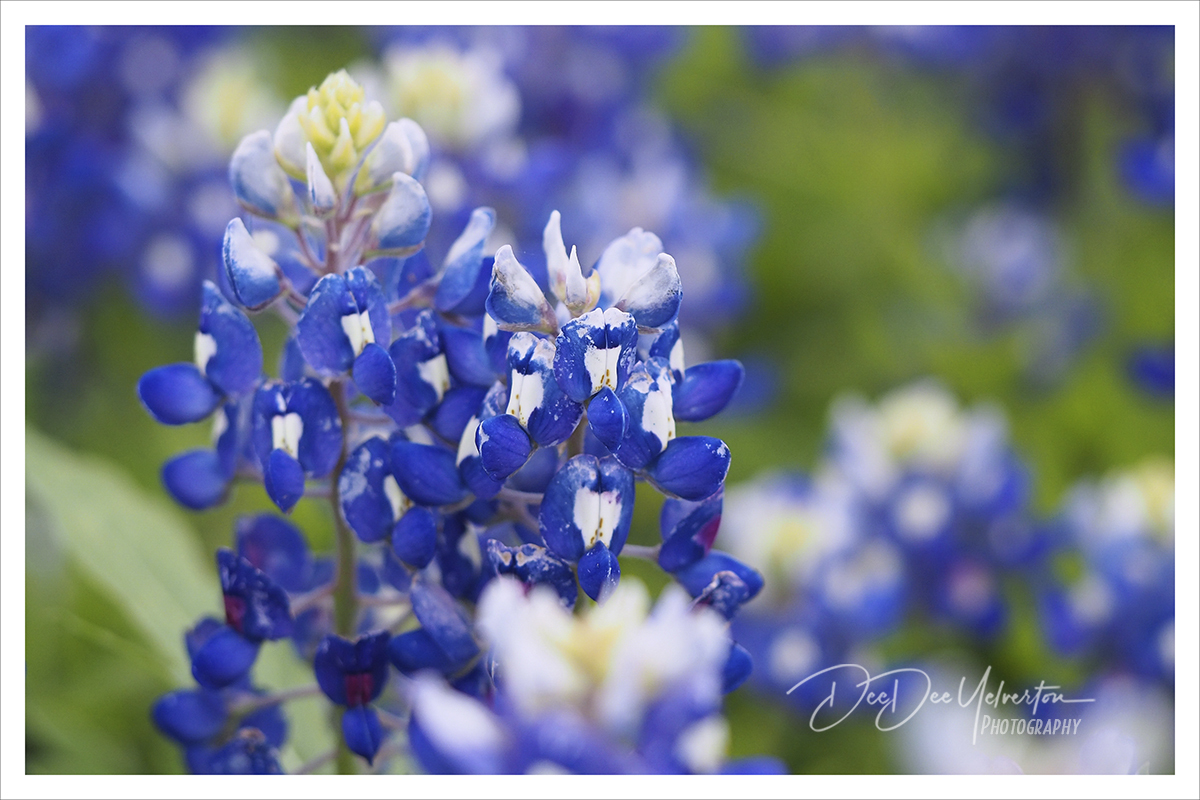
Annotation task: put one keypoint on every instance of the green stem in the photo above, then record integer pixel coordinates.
(345, 595)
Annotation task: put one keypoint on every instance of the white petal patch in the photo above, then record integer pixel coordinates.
(205, 348)
(676, 357)
(601, 364)
(358, 330)
(286, 430)
(525, 395)
(466, 445)
(220, 425)
(396, 498)
(657, 416)
(436, 373)
(596, 516)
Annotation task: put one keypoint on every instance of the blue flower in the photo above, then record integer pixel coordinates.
(297, 432)
(228, 363)
(354, 674)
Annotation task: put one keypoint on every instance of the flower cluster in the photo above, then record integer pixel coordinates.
(1110, 596)
(465, 422)
(918, 509)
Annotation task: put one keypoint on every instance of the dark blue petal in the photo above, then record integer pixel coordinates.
(533, 565)
(375, 374)
(368, 296)
(277, 547)
(515, 300)
(319, 332)
(706, 389)
(248, 753)
(200, 633)
(321, 442)
(688, 530)
(698, 576)
(190, 716)
(475, 477)
(465, 277)
(442, 618)
(237, 361)
(422, 374)
(223, 659)
(403, 220)
(352, 673)
(455, 411)
(414, 539)
(599, 572)
(737, 668)
(362, 731)
(196, 479)
(466, 357)
(725, 593)
(607, 418)
(427, 474)
(653, 299)
(252, 274)
(650, 425)
(666, 345)
(176, 394)
(692, 467)
(414, 651)
(255, 605)
(270, 722)
(328, 665)
(536, 474)
(283, 478)
(364, 500)
(503, 446)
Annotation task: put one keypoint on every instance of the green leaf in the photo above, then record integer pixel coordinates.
(136, 547)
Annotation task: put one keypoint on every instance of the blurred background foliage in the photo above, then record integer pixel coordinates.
(852, 164)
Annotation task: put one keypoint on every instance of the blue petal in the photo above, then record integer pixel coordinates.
(697, 577)
(607, 418)
(455, 411)
(223, 659)
(725, 593)
(654, 298)
(555, 416)
(237, 363)
(291, 361)
(336, 659)
(414, 538)
(283, 478)
(248, 753)
(177, 394)
(258, 182)
(599, 572)
(442, 618)
(403, 220)
(534, 565)
(415, 353)
(189, 716)
(650, 420)
(364, 501)
(466, 357)
(427, 474)
(262, 609)
(362, 731)
(270, 722)
(319, 331)
(515, 300)
(737, 668)
(688, 531)
(594, 350)
(277, 547)
(503, 445)
(375, 374)
(414, 651)
(196, 479)
(464, 285)
(692, 467)
(321, 442)
(566, 505)
(476, 478)
(706, 389)
(252, 274)
(368, 296)
(538, 470)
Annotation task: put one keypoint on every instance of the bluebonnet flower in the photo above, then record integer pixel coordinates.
(389, 366)
(621, 689)
(1118, 538)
